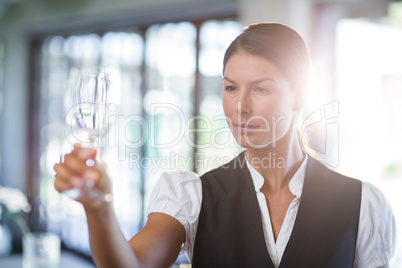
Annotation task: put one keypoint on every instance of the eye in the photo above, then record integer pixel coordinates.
(230, 88)
(261, 90)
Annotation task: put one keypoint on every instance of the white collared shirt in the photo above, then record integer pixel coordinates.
(276, 250)
(179, 194)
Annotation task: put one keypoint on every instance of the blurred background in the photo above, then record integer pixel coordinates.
(170, 52)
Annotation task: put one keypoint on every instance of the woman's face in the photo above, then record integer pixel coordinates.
(258, 101)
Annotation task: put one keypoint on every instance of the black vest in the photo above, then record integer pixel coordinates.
(230, 232)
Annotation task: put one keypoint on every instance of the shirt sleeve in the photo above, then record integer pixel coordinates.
(179, 194)
(376, 238)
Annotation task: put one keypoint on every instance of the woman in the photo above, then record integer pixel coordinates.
(272, 206)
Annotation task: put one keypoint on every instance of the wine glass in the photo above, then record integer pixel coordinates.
(87, 121)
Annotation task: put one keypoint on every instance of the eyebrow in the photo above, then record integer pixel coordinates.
(253, 82)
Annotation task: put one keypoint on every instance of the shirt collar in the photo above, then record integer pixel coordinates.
(295, 184)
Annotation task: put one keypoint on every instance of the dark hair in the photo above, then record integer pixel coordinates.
(278, 44)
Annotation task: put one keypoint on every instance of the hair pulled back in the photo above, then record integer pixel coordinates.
(278, 44)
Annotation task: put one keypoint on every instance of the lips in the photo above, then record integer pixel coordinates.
(245, 127)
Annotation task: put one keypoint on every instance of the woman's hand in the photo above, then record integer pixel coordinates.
(80, 167)
(157, 245)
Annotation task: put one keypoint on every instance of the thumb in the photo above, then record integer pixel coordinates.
(94, 153)
(91, 158)
(85, 153)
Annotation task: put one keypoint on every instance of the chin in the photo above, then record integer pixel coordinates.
(250, 143)
(258, 142)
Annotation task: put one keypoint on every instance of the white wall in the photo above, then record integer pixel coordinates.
(294, 13)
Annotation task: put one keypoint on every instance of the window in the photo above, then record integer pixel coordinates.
(369, 77)
(168, 78)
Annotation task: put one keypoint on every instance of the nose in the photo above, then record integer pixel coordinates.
(243, 105)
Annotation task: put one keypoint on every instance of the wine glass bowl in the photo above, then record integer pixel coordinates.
(87, 121)
(87, 117)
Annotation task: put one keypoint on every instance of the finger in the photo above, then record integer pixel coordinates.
(100, 166)
(64, 179)
(74, 164)
(74, 167)
(84, 153)
(63, 173)
(92, 174)
(62, 185)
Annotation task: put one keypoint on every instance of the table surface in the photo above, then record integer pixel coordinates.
(67, 260)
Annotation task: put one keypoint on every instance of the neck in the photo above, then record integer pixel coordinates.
(279, 162)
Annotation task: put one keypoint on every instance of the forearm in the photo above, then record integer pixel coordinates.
(108, 245)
